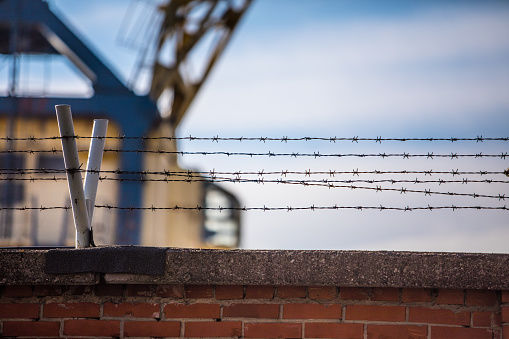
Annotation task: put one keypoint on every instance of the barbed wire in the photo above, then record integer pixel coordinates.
(168, 173)
(316, 154)
(320, 183)
(265, 208)
(429, 155)
(20, 174)
(333, 184)
(263, 180)
(260, 139)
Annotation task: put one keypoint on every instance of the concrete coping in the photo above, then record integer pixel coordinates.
(254, 267)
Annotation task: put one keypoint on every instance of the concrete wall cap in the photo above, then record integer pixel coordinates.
(274, 267)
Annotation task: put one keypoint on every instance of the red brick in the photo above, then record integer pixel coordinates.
(268, 311)
(481, 319)
(80, 290)
(28, 311)
(438, 332)
(139, 310)
(505, 332)
(35, 328)
(229, 292)
(450, 297)
(505, 296)
(322, 293)
(286, 292)
(208, 311)
(15, 291)
(102, 328)
(312, 311)
(411, 295)
(259, 292)
(139, 290)
(44, 291)
(376, 313)
(385, 294)
(397, 332)
(334, 330)
(199, 291)
(170, 291)
(505, 314)
(71, 310)
(481, 297)
(152, 329)
(213, 329)
(497, 319)
(438, 316)
(354, 293)
(272, 330)
(104, 290)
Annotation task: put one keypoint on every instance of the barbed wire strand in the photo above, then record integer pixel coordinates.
(429, 155)
(265, 208)
(260, 139)
(335, 185)
(168, 173)
(320, 183)
(262, 181)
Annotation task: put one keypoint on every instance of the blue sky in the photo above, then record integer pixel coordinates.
(347, 68)
(411, 63)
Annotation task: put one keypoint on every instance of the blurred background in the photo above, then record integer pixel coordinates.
(292, 69)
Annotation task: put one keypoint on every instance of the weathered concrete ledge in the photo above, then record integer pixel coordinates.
(255, 267)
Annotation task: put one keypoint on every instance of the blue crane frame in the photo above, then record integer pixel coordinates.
(133, 114)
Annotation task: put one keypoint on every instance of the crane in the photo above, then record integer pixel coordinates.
(29, 27)
(186, 26)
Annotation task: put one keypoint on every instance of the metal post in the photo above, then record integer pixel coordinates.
(95, 156)
(72, 164)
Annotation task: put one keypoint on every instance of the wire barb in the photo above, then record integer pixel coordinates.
(377, 139)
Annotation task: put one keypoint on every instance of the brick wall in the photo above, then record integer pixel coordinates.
(252, 311)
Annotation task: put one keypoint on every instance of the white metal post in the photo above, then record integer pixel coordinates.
(72, 165)
(95, 156)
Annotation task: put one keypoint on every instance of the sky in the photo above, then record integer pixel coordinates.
(322, 68)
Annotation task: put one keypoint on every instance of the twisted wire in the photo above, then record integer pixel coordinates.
(331, 173)
(263, 181)
(320, 183)
(260, 139)
(429, 155)
(265, 208)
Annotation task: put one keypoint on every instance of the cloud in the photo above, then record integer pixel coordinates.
(448, 65)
